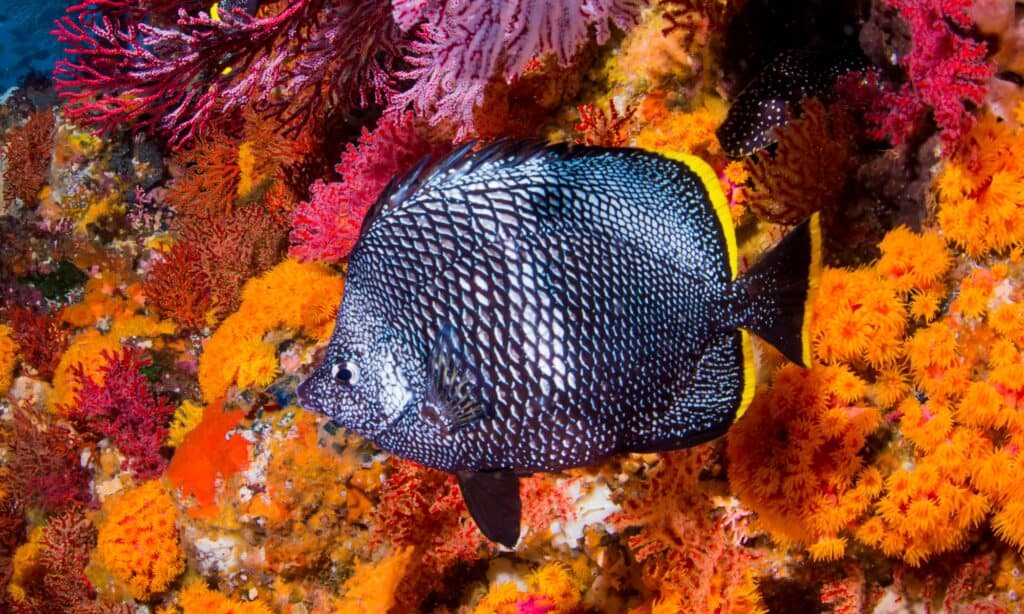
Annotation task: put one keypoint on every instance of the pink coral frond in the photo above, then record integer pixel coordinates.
(469, 43)
(946, 72)
(326, 227)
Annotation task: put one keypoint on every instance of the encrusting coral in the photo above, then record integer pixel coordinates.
(206, 456)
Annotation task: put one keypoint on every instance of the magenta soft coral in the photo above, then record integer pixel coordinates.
(169, 66)
(122, 407)
(326, 227)
(946, 71)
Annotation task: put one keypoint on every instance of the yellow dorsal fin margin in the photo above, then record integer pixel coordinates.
(708, 177)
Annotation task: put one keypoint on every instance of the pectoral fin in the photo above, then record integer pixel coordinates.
(453, 399)
(494, 503)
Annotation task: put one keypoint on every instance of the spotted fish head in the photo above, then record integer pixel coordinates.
(361, 384)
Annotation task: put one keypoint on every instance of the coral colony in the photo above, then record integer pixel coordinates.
(178, 203)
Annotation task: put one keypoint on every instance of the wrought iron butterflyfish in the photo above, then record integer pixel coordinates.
(532, 307)
(765, 103)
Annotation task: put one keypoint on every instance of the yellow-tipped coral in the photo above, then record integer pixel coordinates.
(794, 456)
(551, 588)
(979, 189)
(138, 540)
(303, 297)
(197, 598)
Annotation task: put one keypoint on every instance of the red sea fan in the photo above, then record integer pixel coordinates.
(27, 155)
(122, 407)
(199, 282)
(326, 227)
(43, 462)
(464, 45)
(423, 507)
(946, 71)
(170, 67)
(41, 338)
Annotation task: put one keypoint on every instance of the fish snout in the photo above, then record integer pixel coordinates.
(306, 391)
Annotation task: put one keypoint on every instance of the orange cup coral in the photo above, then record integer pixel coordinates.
(794, 456)
(138, 541)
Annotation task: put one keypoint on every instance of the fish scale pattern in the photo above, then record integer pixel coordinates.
(581, 288)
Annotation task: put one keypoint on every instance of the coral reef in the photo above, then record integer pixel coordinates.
(177, 207)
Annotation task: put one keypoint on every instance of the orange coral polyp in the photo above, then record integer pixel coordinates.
(138, 540)
(912, 261)
(794, 456)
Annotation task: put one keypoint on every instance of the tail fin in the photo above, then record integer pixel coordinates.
(782, 286)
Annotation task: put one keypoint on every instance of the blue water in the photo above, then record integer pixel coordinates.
(26, 44)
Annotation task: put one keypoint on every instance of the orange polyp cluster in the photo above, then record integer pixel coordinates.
(793, 457)
(979, 189)
(864, 322)
(913, 262)
(955, 383)
(925, 510)
(138, 542)
(302, 297)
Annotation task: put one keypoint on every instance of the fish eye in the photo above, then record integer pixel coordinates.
(346, 372)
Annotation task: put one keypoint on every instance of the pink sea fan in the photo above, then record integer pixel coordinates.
(946, 70)
(326, 227)
(467, 43)
(170, 67)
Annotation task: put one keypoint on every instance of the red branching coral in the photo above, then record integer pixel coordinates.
(681, 542)
(464, 48)
(43, 463)
(946, 71)
(222, 171)
(41, 338)
(27, 156)
(179, 287)
(326, 227)
(423, 508)
(199, 282)
(601, 128)
(171, 67)
(121, 406)
(64, 551)
(12, 533)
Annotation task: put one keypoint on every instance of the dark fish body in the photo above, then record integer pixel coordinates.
(532, 308)
(765, 103)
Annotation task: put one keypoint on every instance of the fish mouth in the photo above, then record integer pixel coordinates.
(306, 395)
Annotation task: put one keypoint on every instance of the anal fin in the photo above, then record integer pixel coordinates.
(493, 501)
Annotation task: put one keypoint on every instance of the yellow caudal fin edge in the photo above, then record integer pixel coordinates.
(813, 281)
(749, 375)
(708, 177)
